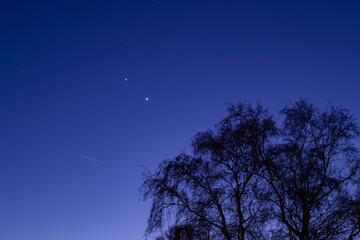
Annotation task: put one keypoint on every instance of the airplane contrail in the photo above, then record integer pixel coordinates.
(89, 158)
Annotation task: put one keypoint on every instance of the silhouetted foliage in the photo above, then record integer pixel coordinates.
(251, 179)
(185, 232)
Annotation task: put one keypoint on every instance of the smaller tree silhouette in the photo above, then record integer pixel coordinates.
(313, 171)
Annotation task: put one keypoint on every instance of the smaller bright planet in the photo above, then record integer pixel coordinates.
(146, 99)
(125, 79)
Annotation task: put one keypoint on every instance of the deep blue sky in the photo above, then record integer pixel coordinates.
(63, 95)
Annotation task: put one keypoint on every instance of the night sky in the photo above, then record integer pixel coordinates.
(75, 136)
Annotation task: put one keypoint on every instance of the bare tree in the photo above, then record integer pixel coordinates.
(217, 185)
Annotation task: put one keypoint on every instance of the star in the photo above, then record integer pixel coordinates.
(125, 79)
(146, 99)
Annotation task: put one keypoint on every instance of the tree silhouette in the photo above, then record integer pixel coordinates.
(312, 171)
(217, 186)
(251, 179)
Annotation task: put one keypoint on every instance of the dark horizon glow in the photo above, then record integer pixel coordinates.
(76, 127)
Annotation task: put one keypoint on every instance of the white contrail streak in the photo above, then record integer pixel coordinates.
(89, 158)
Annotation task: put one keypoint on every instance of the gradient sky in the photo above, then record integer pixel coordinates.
(74, 136)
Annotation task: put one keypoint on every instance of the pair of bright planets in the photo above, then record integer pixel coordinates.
(146, 98)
